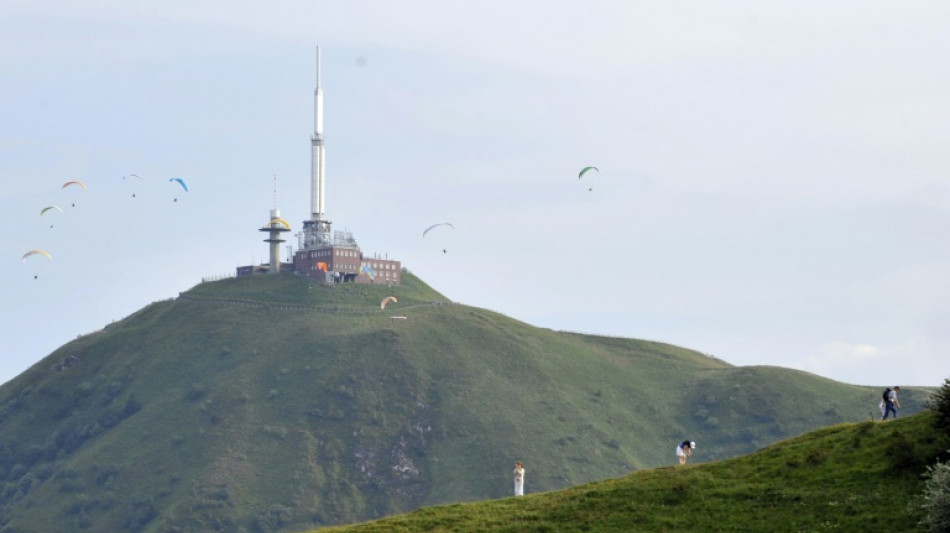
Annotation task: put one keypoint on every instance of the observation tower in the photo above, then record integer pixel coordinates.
(274, 228)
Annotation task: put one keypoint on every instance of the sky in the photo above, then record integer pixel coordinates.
(773, 183)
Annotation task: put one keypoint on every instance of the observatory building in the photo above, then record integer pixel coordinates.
(323, 254)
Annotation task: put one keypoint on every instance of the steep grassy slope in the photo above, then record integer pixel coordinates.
(862, 476)
(269, 403)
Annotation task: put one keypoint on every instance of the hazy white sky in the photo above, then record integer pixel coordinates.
(773, 184)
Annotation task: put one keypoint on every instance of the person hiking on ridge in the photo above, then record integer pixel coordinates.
(891, 403)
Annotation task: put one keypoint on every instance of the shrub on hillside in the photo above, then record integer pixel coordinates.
(939, 402)
(905, 453)
(937, 498)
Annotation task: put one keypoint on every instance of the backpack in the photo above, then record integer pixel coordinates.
(887, 394)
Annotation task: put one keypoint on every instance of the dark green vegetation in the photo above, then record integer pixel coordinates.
(863, 476)
(939, 403)
(936, 493)
(268, 403)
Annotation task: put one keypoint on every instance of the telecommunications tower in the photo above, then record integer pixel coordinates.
(316, 230)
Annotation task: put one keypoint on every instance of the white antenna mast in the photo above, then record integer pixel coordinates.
(318, 154)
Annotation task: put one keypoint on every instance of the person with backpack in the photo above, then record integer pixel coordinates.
(685, 451)
(891, 403)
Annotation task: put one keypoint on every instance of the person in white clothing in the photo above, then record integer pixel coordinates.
(519, 479)
(685, 451)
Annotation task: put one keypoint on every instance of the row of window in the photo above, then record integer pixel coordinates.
(350, 253)
(325, 252)
(381, 266)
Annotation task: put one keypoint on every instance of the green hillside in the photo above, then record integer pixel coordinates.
(269, 403)
(863, 476)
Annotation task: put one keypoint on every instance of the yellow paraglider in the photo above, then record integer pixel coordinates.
(36, 252)
(386, 300)
(278, 220)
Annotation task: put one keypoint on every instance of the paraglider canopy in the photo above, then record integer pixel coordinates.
(278, 220)
(386, 300)
(138, 179)
(440, 239)
(49, 208)
(585, 170)
(77, 183)
(180, 182)
(368, 270)
(36, 252)
(430, 228)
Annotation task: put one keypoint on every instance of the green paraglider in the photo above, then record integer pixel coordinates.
(585, 170)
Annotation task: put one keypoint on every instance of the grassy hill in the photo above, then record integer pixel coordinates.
(863, 476)
(269, 403)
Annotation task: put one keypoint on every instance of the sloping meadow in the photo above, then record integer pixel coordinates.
(862, 476)
(271, 403)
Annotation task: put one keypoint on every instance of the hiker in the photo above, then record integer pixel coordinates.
(685, 450)
(891, 403)
(519, 479)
